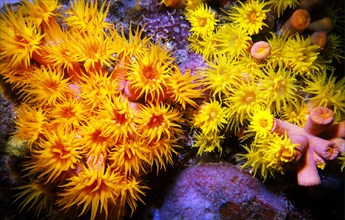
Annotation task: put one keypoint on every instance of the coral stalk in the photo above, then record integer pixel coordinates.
(323, 24)
(310, 4)
(297, 23)
(260, 50)
(303, 145)
(307, 174)
(325, 148)
(320, 118)
(317, 149)
(319, 38)
(334, 131)
(340, 143)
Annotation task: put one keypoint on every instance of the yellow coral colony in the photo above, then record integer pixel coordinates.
(286, 84)
(90, 138)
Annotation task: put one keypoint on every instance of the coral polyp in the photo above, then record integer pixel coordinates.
(301, 55)
(119, 116)
(296, 114)
(150, 71)
(42, 12)
(279, 87)
(241, 104)
(130, 157)
(183, 88)
(130, 191)
(158, 121)
(211, 117)
(222, 75)
(162, 152)
(230, 34)
(46, 87)
(95, 88)
(94, 50)
(261, 123)
(203, 20)
(325, 90)
(30, 123)
(92, 189)
(279, 6)
(36, 197)
(87, 17)
(277, 43)
(208, 142)
(54, 155)
(68, 115)
(249, 16)
(92, 136)
(20, 38)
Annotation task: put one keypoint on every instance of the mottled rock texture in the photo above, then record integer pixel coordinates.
(222, 191)
(6, 119)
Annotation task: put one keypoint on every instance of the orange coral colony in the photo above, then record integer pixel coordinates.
(95, 106)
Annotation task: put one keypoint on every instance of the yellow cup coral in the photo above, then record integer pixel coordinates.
(266, 156)
(202, 19)
(261, 123)
(249, 16)
(211, 117)
(326, 91)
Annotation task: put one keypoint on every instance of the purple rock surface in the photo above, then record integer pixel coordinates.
(221, 191)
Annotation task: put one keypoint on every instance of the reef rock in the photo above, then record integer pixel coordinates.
(222, 191)
(6, 120)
